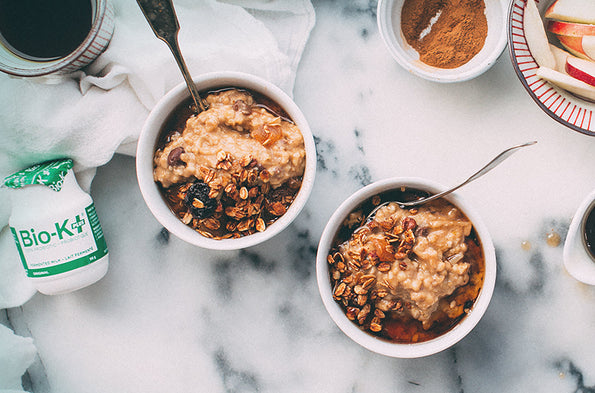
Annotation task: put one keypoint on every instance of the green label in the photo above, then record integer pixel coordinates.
(50, 173)
(58, 246)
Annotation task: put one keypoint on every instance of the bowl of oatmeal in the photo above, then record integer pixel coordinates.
(405, 282)
(231, 176)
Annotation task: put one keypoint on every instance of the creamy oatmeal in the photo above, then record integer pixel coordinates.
(407, 275)
(233, 169)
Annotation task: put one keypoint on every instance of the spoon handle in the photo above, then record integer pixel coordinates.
(488, 167)
(162, 18)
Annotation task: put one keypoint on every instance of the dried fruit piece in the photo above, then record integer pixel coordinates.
(267, 134)
(200, 191)
(173, 158)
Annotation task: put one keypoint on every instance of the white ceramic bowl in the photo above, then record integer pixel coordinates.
(147, 145)
(389, 22)
(565, 108)
(385, 347)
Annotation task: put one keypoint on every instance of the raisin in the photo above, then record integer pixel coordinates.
(198, 202)
(174, 158)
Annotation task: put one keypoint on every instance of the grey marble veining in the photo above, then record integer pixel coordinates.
(172, 317)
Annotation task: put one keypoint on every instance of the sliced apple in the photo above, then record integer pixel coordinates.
(589, 46)
(581, 11)
(583, 70)
(574, 45)
(570, 28)
(583, 47)
(560, 55)
(536, 36)
(567, 82)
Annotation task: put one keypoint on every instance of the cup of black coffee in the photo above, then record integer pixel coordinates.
(41, 37)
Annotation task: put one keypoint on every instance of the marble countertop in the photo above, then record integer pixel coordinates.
(172, 317)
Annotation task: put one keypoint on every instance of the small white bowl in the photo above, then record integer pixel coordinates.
(577, 260)
(369, 341)
(389, 24)
(148, 141)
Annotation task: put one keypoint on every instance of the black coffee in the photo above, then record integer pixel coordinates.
(44, 29)
(589, 235)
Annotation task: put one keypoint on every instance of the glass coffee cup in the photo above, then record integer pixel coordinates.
(40, 37)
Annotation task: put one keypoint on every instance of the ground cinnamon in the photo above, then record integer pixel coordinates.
(445, 33)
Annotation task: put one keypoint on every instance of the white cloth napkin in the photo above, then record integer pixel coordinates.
(89, 115)
(16, 354)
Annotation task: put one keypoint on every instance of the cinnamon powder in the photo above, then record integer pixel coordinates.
(445, 33)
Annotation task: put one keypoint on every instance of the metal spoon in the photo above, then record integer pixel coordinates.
(488, 167)
(162, 18)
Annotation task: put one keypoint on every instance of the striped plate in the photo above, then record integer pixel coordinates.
(559, 104)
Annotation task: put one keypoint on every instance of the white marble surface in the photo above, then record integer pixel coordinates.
(172, 317)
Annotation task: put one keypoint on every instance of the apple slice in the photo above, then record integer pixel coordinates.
(589, 46)
(583, 70)
(570, 28)
(536, 36)
(567, 82)
(583, 47)
(560, 55)
(581, 11)
(574, 45)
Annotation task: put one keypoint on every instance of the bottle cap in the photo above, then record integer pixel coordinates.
(49, 173)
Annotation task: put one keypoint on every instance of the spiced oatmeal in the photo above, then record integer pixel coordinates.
(233, 169)
(407, 275)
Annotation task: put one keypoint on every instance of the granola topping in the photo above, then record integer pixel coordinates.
(407, 275)
(233, 169)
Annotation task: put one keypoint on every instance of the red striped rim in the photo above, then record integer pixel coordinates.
(577, 113)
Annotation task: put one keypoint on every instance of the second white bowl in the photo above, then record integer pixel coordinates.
(369, 341)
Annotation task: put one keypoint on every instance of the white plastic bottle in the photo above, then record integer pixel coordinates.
(56, 229)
